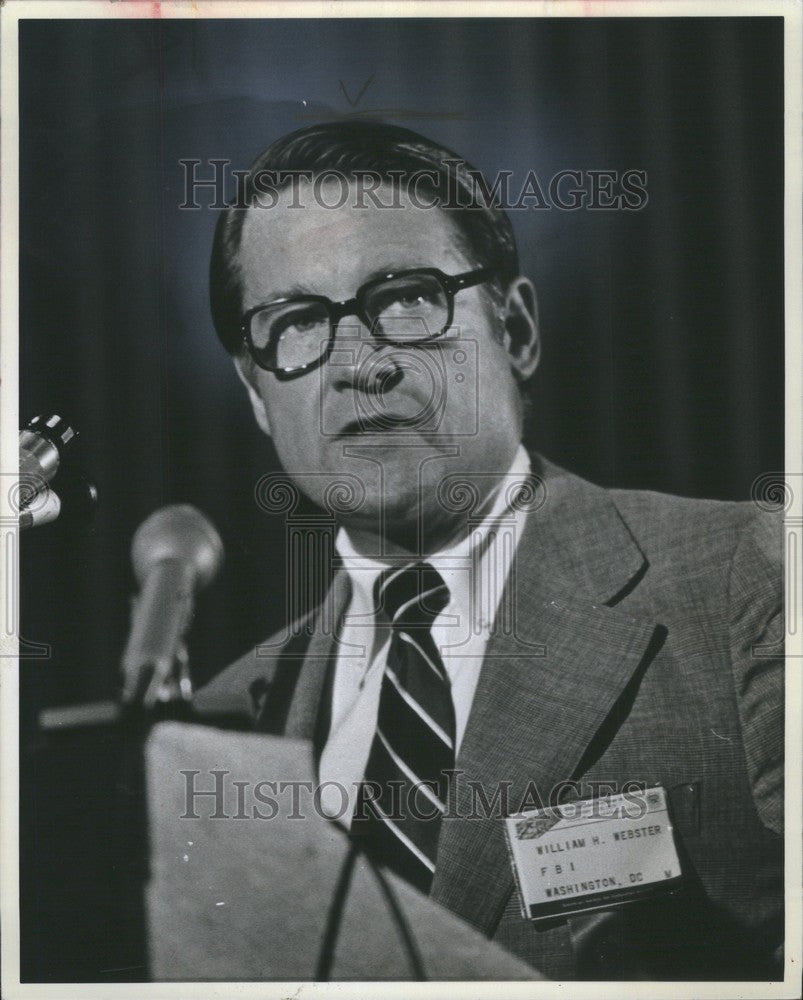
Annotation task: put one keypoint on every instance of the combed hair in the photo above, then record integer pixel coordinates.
(354, 148)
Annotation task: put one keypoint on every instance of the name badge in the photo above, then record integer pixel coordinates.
(592, 854)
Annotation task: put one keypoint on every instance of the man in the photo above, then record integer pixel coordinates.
(499, 624)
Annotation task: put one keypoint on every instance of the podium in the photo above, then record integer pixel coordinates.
(243, 876)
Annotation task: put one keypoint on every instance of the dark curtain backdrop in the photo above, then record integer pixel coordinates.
(662, 328)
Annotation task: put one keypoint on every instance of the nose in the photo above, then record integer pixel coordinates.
(381, 374)
(372, 370)
(361, 362)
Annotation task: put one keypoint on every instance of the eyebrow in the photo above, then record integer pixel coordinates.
(294, 291)
(299, 290)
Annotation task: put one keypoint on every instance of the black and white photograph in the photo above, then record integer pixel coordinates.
(401, 563)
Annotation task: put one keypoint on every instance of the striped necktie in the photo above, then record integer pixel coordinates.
(400, 803)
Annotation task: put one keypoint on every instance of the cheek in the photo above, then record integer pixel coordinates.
(291, 410)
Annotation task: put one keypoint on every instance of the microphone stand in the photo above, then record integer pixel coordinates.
(87, 852)
(134, 722)
(86, 872)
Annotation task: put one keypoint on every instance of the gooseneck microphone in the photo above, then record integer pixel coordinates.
(43, 444)
(175, 552)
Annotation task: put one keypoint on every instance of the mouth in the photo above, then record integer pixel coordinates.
(379, 424)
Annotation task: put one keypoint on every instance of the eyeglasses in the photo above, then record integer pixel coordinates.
(292, 336)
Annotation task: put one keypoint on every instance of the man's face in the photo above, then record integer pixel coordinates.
(439, 410)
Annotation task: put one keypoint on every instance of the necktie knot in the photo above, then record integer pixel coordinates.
(412, 596)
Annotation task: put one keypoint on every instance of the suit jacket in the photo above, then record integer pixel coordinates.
(646, 648)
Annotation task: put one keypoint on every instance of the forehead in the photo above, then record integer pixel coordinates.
(301, 244)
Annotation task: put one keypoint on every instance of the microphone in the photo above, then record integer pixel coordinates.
(75, 501)
(174, 552)
(43, 444)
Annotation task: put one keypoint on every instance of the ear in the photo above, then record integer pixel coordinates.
(245, 369)
(521, 336)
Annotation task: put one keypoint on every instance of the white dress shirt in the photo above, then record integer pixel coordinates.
(460, 633)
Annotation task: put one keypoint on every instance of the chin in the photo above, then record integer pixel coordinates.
(399, 507)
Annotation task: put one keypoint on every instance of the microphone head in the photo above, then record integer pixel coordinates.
(181, 533)
(42, 446)
(55, 428)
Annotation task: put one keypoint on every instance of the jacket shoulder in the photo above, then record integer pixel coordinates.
(241, 687)
(653, 516)
(685, 533)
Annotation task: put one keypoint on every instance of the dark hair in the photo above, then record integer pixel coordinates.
(353, 148)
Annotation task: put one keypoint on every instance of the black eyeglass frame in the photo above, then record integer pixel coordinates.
(451, 284)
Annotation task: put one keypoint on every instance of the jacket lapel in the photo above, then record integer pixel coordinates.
(546, 686)
(305, 703)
